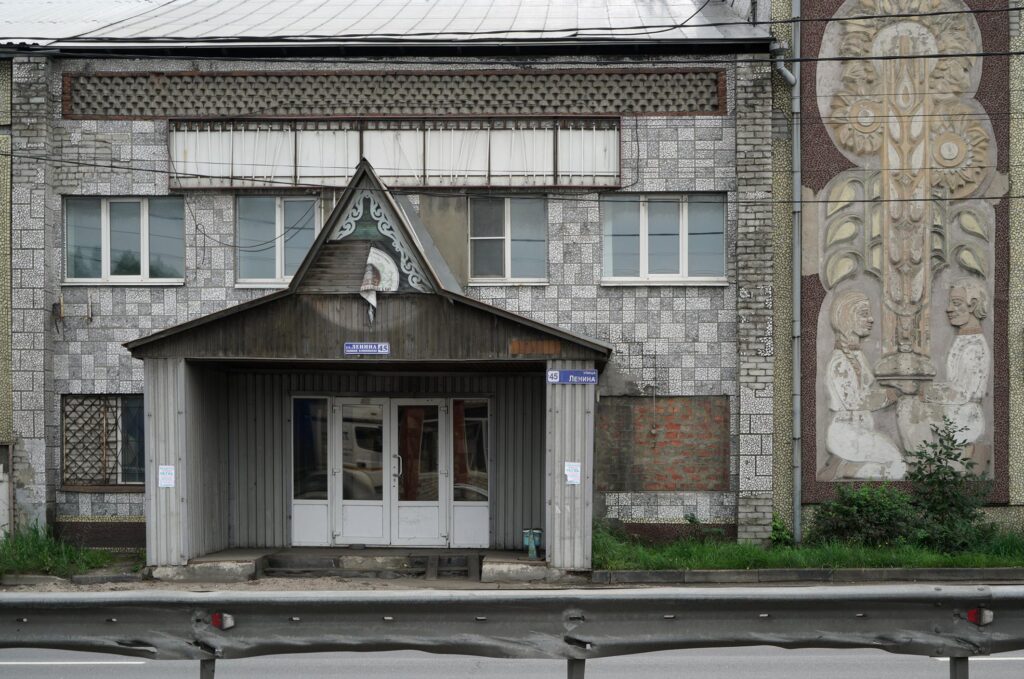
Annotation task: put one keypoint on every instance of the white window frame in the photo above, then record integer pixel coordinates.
(105, 275)
(507, 278)
(683, 277)
(280, 280)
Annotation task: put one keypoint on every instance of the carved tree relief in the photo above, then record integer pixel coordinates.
(907, 227)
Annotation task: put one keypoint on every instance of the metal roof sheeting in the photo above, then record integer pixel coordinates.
(76, 23)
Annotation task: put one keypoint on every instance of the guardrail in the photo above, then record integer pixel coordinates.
(956, 622)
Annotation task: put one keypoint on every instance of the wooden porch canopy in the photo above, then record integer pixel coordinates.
(372, 243)
(371, 277)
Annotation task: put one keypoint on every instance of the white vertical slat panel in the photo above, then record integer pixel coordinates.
(456, 157)
(522, 157)
(200, 157)
(396, 155)
(588, 156)
(570, 438)
(327, 156)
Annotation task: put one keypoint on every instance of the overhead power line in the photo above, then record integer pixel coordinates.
(299, 39)
(572, 194)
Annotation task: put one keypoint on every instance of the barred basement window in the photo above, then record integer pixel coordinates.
(104, 440)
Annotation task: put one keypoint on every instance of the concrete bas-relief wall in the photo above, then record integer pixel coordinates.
(905, 238)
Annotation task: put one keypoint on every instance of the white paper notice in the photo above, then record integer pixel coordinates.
(572, 473)
(166, 476)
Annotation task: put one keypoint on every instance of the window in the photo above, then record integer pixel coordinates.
(664, 238)
(274, 235)
(508, 239)
(125, 240)
(103, 440)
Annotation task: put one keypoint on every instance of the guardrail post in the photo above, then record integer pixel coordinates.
(958, 668)
(576, 668)
(207, 668)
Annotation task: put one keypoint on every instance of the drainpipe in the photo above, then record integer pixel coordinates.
(797, 274)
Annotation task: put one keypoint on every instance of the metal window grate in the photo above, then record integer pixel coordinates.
(102, 439)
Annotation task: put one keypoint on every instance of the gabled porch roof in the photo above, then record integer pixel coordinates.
(426, 318)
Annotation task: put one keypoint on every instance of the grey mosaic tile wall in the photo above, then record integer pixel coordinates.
(705, 507)
(675, 340)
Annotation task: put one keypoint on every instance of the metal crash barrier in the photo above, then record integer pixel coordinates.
(955, 622)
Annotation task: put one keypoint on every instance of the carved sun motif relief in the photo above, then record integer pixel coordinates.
(907, 234)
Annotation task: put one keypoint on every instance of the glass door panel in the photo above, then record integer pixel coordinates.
(362, 452)
(419, 515)
(418, 430)
(362, 487)
(310, 462)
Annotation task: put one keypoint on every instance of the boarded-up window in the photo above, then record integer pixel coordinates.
(104, 439)
(673, 443)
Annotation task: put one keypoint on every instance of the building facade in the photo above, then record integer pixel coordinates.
(620, 192)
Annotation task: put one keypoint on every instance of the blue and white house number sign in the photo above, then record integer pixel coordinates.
(367, 348)
(572, 377)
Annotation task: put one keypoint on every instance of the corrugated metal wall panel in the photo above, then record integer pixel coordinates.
(206, 460)
(258, 420)
(570, 438)
(166, 527)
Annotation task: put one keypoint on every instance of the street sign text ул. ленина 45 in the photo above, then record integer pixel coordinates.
(361, 348)
(572, 377)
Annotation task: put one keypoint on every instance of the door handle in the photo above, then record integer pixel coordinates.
(401, 466)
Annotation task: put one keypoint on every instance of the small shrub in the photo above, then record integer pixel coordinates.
(872, 515)
(36, 550)
(948, 492)
(782, 536)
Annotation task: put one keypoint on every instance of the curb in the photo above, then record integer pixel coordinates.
(808, 575)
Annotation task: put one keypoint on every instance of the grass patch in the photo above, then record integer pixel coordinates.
(613, 551)
(36, 550)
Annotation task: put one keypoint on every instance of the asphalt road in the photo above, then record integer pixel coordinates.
(739, 663)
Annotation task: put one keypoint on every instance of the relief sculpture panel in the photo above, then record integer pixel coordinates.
(905, 238)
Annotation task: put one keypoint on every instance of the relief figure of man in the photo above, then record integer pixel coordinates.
(858, 450)
(968, 366)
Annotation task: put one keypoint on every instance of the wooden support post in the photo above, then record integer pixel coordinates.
(576, 668)
(958, 668)
(207, 668)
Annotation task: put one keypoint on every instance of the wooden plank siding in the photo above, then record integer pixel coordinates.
(419, 327)
(338, 267)
(257, 425)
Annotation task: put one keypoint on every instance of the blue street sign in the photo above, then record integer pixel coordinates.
(572, 377)
(364, 348)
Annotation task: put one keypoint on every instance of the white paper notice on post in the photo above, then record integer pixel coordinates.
(166, 476)
(572, 473)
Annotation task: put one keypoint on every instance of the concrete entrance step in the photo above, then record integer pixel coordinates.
(514, 567)
(376, 564)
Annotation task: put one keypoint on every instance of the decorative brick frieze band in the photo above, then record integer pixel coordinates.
(296, 95)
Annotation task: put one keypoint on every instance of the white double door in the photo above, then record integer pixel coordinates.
(390, 468)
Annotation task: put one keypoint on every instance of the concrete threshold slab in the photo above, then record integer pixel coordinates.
(208, 571)
(511, 568)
